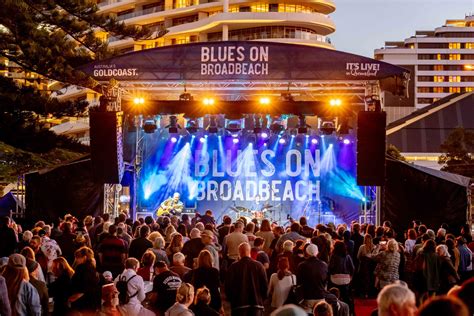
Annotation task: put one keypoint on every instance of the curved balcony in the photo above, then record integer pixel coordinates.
(320, 23)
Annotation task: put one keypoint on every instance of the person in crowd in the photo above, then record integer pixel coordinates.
(266, 233)
(193, 247)
(440, 236)
(110, 301)
(453, 251)
(165, 285)
(85, 287)
(5, 308)
(22, 295)
(178, 266)
(135, 290)
(388, 261)
(146, 268)
(169, 231)
(207, 218)
(25, 239)
(40, 286)
(280, 283)
(60, 288)
(184, 299)
(411, 241)
(258, 254)
(443, 305)
(139, 245)
(322, 309)
(49, 247)
(66, 242)
(396, 300)
(233, 240)
(293, 235)
(358, 240)
(249, 231)
(206, 275)
(427, 269)
(159, 250)
(112, 252)
(466, 233)
(39, 256)
(176, 245)
(201, 303)
(246, 284)
(287, 252)
(346, 237)
(341, 271)
(465, 258)
(207, 237)
(323, 242)
(448, 276)
(36, 270)
(366, 265)
(8, 237)
(289, 309)
(312, 276)
(224, 229)
(465, 293)
(305, 230)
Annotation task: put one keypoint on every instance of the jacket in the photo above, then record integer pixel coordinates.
(246, 284)
(312, 275)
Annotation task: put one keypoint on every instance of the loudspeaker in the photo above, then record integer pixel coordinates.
(106, 146)
(371, 148)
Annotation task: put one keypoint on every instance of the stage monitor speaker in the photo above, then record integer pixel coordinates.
(371, 148)
(106, 146)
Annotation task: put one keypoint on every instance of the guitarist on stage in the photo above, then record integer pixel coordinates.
(171, 205)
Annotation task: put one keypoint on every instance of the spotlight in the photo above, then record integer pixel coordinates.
(213, 127)
(277, 125)
(264, 100)
(202, 139)
(344, 126)
(327, 127)
(314, 141)
(282, 141)
(208, 101)
(192, 127)
(335, 102)
(264, 135)
(302, 126)
(138, 100)
(149, 126)
(174, 139)
(235, 140)
(233, 127)
(346, 141)
(173, 126)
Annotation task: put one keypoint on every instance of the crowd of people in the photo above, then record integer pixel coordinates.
(191, 265)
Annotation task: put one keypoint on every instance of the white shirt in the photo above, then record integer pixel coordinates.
(135, 285)
(280, 288)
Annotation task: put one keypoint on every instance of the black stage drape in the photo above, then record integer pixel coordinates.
(411, 194)
(68, 188)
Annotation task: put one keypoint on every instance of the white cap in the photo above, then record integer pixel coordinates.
(312, 250)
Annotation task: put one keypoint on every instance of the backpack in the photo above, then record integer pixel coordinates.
(122, 288)
(295, 295)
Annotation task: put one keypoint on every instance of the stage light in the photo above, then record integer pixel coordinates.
(174, 139)
(149, 126)
(192, 126)
(213, 127)
(327, 127)
(335, 102)
(264, 100)
(314, 141)
(138, 100)
(235, 140)
(346, 141)
(202, 139)
(468, 67)
(282, 141)
(302, 126)
(234, 127)
(186, 96)
(264, 135)
(208, 101)
(173, 126)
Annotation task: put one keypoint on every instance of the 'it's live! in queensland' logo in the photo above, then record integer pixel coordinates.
(362, 69)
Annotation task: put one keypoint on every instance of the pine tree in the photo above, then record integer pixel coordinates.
(458, 151)
(54, 37)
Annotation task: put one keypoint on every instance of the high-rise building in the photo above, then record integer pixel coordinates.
(187, 21)
(441, 63)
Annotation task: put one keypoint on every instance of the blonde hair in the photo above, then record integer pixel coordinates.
(185, 293)
(205, 259)
(63, 266)
(203, 294)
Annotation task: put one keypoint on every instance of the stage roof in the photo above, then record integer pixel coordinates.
(236, 68)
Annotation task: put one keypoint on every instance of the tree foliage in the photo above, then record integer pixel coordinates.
(458, 152)
(394, 153)
(54, 37)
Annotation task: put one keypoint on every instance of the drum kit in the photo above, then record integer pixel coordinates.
(266, 211)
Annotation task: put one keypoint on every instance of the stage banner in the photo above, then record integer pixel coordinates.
(264, 179)
(245, 60)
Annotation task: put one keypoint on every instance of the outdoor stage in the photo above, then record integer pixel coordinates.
(243, 128)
